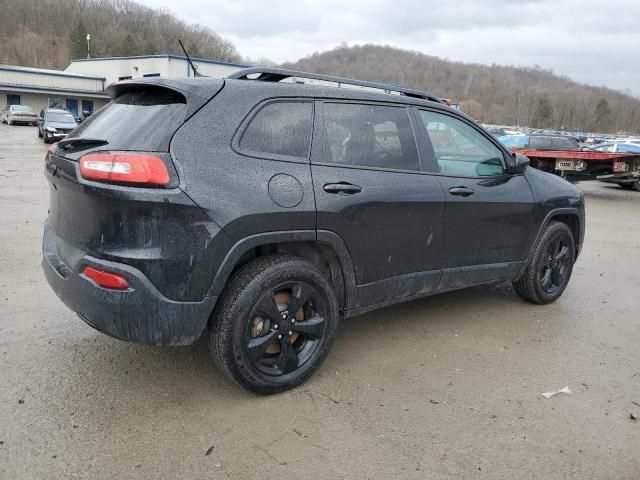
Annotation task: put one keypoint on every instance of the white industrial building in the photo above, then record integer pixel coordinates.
(124, 68)
(39, 88)
(80, 87)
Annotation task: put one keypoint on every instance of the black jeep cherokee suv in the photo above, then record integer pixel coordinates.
(260, 212)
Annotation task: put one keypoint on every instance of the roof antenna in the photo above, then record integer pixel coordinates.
(193, 67)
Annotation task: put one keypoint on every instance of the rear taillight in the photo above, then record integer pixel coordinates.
(125, 168)
(620, 167)
(106, 279)
(51, 148)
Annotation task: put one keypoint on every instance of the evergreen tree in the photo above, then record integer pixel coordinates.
(78, 41)
(128, 47)
(602, 115)
(543, 113)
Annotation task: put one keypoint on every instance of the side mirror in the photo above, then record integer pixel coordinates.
(519, 163)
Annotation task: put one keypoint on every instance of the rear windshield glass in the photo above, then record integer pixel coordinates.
(553, 143)
(143, 119)
(18, 108)
(514, 141)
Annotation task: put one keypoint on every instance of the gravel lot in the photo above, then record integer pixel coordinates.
(443, 387)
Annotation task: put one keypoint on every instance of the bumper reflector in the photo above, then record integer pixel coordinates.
(105, 279)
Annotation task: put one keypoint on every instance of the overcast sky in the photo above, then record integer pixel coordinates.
(591, 41)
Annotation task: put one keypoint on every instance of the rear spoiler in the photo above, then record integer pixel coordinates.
(196, 92)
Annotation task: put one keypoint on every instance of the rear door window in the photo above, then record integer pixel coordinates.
(280, 129)
(369, 135)
(143, 119)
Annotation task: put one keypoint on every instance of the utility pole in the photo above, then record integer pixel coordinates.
(88, 50)
(517, 108)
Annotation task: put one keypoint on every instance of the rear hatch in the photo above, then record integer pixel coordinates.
(115, 220)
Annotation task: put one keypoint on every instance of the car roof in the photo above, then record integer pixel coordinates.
(277, 75)
(201, 85)
(286, 89)
(550, 135)
(205, 87)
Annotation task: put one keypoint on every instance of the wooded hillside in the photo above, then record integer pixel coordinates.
(493, 94)
(49, 33)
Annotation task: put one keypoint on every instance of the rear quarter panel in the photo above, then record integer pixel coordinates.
(237, 191)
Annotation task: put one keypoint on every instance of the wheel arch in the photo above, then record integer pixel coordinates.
(324, 249)
(571, 217)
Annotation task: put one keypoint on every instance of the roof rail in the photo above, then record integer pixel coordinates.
(265, 74)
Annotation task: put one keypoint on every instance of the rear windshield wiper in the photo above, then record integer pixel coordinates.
(69, 143)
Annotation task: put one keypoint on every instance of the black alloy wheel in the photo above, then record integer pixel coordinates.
(274, 324)
(285, 328)
(554, 267)
(549, 266)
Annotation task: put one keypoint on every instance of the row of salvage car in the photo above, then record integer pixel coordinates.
(614, 162)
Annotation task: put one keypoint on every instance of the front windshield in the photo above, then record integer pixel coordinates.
(60, 117)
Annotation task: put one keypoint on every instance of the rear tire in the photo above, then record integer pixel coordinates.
(550, 266)
(626, 186)
(274, 324)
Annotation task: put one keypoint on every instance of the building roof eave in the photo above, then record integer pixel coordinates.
(38, 89)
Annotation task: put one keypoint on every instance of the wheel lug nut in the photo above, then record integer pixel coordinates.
(276, 326)
(279, 337)
(284, 315)
(290, 332)
(293, 320)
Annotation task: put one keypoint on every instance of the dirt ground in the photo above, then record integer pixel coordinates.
(444, 387)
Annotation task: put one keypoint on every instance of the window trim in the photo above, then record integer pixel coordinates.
(317, 156)
(433, 160)
(246, 121)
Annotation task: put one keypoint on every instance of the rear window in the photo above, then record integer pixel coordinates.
(281, 129)
(19, 108)
(553, 143)
(514, 141)
(369, 135)
(142, 119)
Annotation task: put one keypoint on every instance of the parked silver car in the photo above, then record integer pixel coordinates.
(18, 114)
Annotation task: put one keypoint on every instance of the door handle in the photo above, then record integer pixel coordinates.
(342, 187)
(462, 191)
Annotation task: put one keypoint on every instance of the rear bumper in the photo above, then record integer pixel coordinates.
(25, 120)
(139, 314)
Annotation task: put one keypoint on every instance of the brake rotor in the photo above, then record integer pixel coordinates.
(282, 300)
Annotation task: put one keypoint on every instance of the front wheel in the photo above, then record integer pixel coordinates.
(550, 266)
(274, 324)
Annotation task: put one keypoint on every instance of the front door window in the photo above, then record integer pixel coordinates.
(460, 149)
